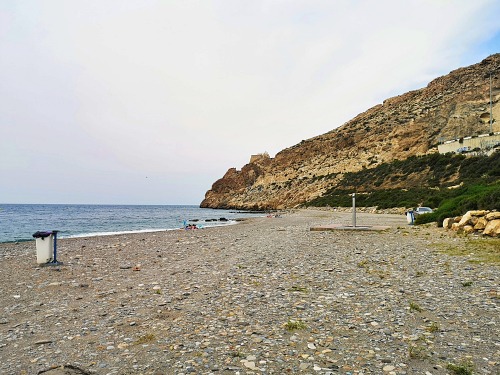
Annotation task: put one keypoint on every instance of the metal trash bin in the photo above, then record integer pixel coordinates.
(46, 247)
(410, 217)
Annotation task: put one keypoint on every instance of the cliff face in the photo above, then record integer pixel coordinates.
(451, 106)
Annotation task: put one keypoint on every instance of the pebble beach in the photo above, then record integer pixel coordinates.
(265, 296)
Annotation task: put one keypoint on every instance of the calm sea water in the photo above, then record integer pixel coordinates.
(19, 221)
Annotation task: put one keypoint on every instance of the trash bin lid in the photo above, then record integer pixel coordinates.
(43, 234)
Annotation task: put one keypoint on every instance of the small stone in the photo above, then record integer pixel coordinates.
(250, 365)
(311, 346)
(40, 342)
(388, 368)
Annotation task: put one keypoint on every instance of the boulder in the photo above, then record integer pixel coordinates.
(468, 229)
(455, 227)
(465, 219)
(492, 228)
(447, 222)
(479, 213)
(493, 216)
(481, 223)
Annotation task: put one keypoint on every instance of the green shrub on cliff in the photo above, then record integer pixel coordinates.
(478, 176)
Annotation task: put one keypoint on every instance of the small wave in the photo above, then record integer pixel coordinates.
(100, 234)
(217, 224)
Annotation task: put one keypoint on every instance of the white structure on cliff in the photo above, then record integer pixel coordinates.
(484, 144)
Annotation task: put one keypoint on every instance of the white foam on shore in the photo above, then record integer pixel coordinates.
(100, 234)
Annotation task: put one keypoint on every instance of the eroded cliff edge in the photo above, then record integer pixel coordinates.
(451, 106)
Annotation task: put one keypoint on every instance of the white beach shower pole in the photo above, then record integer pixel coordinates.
(353, 209)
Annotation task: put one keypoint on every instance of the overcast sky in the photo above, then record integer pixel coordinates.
(150, 102)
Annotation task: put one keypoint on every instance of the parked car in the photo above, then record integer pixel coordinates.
(422, 210)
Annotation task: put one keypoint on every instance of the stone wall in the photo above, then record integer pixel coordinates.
(482, 222)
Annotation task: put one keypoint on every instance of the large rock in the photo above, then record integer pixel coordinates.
(468, 229)
(465, 219)
(492, 228)
(448, 222)
(479, 212)
(481, 223)
(493, 216)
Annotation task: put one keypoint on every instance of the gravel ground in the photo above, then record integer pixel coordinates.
(266, 296)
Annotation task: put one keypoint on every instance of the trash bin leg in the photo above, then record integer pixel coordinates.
(55, 262)
(55, 248)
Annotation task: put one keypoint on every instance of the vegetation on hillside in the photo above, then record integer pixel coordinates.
(471, 197)
(478, 180)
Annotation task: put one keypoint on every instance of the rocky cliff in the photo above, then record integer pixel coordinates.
(452, 106)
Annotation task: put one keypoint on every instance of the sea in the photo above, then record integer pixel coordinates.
(18, 222)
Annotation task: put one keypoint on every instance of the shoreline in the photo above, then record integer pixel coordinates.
(21, 221)
(139, 231)
(264, 296)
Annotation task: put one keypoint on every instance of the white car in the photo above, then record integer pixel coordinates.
(422, 210)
